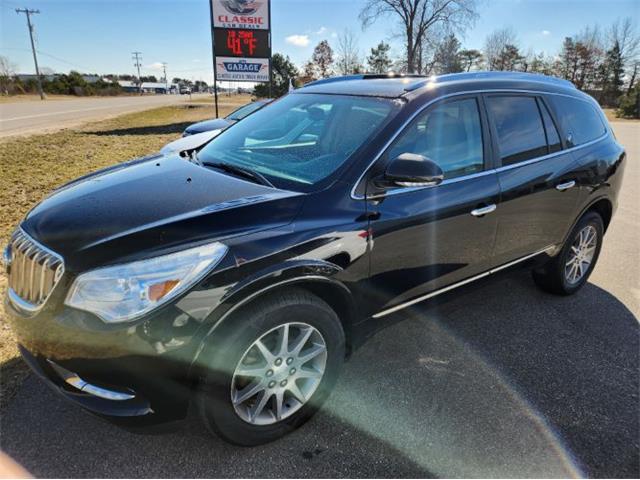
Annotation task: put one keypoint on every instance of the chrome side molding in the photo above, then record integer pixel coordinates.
(453, 286)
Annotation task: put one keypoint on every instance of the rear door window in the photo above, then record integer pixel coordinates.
(579, 119)
(518, 124)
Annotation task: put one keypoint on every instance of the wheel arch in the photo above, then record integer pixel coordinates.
(604, 207)
(332, 291)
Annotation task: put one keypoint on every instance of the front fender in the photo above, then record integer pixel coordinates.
(303, 273)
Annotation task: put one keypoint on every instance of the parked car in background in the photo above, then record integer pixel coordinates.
(222, 123)
(185, 90)
(239, 278)
(189, 143)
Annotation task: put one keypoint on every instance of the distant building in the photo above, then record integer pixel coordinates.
(148, 87)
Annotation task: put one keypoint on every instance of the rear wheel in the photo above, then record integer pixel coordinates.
(571, 268)
(271, 369)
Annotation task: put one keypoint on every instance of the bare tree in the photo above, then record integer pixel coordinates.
(348, 53)
(7, 71)
(418, 19)
(623, 32)
(497, 47)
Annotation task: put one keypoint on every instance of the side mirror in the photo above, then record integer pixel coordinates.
(411, 170)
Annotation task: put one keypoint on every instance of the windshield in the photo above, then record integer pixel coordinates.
(245, 110)
(301, 139)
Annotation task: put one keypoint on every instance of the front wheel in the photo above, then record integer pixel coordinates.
(271, 369)
(571, 268)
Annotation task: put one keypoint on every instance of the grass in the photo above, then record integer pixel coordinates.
(30, 167)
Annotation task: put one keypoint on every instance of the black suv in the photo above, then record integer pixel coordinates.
(238, 277)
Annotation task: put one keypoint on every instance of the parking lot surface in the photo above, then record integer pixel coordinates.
(503, 381)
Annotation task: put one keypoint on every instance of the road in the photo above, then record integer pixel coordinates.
(505, 381)
(30, 117)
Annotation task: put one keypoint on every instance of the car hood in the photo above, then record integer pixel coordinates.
(207, 125)
(190, 142)
(150, 207)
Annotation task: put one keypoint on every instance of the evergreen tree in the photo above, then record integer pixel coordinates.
(379, 61)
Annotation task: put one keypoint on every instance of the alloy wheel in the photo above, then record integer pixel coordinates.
(278, 374)
(581, 255)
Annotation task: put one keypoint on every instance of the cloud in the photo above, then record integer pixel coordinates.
(322, 31)
(546, 33)
(155, 66)
(298, 40)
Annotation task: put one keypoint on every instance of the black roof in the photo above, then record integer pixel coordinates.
(395, 86)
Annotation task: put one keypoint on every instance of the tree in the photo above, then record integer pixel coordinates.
(501, 51)
(7, 71)
(470, 59)
(418, 19)
(323, 58)
(379, 61)
(581, 57)
(447, 56)
(348, 54)
(630, 103)
(538, 63)
(284, 71)
(611, 73)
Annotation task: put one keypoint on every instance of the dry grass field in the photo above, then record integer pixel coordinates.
(31, 167)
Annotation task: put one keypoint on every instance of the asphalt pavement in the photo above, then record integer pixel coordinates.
(24, 117)
(503, 381)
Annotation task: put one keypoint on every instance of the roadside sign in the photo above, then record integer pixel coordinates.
(241, 37)
(245, 14)
(243, 69)
(242, 43)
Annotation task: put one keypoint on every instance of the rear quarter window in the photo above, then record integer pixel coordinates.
(578, 119)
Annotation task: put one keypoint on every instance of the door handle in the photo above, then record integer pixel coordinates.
(481, 212)
(566, 186)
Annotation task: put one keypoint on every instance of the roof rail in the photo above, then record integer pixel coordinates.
(363, 76)
(490, 75)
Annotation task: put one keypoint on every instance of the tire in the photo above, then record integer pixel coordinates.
(561, 278)
(229, 351)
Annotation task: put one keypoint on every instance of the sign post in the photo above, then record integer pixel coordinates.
(241, 38)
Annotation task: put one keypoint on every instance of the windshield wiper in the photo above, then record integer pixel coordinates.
(240, 171)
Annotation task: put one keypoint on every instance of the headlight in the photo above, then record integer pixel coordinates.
(125, 292)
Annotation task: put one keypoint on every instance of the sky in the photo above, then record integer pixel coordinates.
(98, 36)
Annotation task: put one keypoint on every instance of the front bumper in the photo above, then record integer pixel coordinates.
(127, 376)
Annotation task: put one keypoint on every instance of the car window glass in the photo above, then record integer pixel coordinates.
(245, 110)
(449, 134)
(553, 139)
(519, 127)
(579, 119)
(301, 139)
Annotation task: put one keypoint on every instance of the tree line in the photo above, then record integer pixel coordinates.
(601, 61)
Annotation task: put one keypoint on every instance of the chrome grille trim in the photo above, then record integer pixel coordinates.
(34, 272)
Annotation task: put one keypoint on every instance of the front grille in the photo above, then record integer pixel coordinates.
(34, 270)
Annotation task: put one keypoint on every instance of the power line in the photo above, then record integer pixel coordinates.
(28, 14)
(137, 58)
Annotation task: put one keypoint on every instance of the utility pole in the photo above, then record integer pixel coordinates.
(166, 80)
(28, 13)
(137, 58)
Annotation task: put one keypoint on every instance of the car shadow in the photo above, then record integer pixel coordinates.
(172, 128)
(504, 381)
